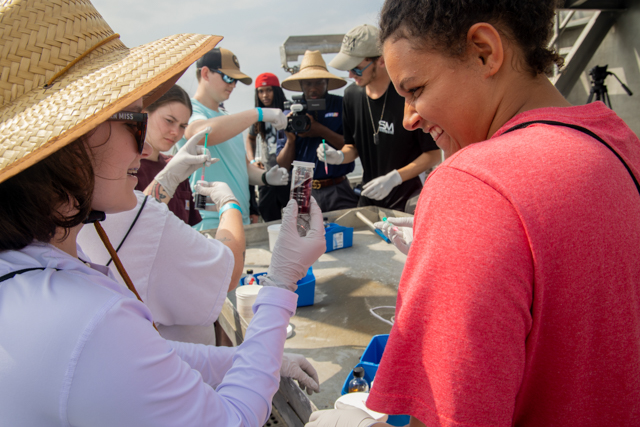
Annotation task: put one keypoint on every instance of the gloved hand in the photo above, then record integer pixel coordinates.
(379, 188)
(296, 366)
(217, 193)
(334, 157)
(187, 160)
(293, 255)
(277, 176)
(399, 231)
(274, 116)
(344, 416)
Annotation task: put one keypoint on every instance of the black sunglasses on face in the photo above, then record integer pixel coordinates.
(137, 122)
(225, 78)
(358, 71)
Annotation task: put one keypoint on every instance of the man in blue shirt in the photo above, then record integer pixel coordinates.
(331, 188)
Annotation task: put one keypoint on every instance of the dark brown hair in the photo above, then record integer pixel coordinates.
(443, 25)
(31, 200)
(175, 94)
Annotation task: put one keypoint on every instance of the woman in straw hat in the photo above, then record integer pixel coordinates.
(76, 348)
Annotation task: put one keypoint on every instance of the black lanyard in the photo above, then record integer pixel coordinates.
(583, 130)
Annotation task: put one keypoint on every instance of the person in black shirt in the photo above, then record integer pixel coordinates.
(392, 157)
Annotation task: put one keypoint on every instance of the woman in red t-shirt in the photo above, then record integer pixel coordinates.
(168, 118)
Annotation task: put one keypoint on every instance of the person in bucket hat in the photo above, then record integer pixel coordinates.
(330, 184)
(77, 348)
(392, 157)
(218, 72)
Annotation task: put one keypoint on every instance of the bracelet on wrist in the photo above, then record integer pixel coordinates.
(264, 179)
(259, 113)
(228, 206)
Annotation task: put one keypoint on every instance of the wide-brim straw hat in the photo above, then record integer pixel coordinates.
(64, 71)
(312, 67)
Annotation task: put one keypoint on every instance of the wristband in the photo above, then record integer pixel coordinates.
(259, 113)
(264, 179)
(252, 161)
(227, 207)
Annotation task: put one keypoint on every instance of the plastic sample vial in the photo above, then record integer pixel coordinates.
(301, 181)
(249, 279)
(200, 201)
(358, 383)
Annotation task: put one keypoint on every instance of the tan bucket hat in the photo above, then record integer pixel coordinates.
(64, 71)
(312, 67)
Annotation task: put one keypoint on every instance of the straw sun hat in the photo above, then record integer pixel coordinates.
(312, 67)
(64, 71)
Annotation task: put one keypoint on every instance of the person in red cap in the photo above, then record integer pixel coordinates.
(261, 146)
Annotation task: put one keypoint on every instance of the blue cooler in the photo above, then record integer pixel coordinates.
(370, 361)
(338, 237)
(306, 287)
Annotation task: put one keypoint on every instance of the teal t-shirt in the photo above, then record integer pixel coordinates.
(232, 168)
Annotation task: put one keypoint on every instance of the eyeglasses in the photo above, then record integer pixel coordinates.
(358, 71)
(225, 78)
(137, 122)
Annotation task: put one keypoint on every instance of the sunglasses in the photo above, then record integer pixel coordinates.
(358, 71)
(137, 122)
(225, 78)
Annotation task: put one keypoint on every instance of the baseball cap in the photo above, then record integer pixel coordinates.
(226, 62)
(267, 79)
(359, 43)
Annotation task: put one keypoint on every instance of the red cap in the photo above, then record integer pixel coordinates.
(267, 79)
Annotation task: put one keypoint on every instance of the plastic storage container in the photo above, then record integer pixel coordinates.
(370, 361)
(306, 287)
(338, 237)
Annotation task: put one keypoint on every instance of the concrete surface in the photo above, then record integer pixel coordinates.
(334, 331)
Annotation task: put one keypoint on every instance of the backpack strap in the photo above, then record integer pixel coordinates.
(15, 273)
(585, 131)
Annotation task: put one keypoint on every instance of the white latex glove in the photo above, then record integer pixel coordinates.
(344, 416)
(217, 193)
(293, 255)
(334, 157)
(277, 176)
(187, 160)
(274, 116)
(399, 231)
(296, 366)
(379, 188)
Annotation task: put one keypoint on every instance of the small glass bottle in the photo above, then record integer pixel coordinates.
(249, 279)
(358, 383)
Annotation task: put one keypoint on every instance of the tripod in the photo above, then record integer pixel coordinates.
(599, 89)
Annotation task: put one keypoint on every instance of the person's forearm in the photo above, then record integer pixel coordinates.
(335, 139)
(350, 153)
(288, 153)
(231, 233)
(423, 162)
(157, 191)
(250, 146)
(255, 174)
(223, 128)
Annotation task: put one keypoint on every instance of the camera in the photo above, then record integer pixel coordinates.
(298, 120)
(598, 74)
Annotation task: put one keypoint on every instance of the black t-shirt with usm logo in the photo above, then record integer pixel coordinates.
(396, 147)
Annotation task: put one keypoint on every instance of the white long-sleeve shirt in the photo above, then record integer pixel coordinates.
(77, 349)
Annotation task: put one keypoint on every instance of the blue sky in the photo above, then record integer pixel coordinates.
(252, 29)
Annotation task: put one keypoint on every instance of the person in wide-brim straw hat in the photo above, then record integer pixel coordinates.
(312, 66)
(77, 348)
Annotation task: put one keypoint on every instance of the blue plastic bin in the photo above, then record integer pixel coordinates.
(306, 287)
(338, 237)
(370, 361)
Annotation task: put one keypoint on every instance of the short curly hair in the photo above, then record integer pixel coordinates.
(443, 25)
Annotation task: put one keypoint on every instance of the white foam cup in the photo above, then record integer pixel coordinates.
(245, 297)
(273, 231)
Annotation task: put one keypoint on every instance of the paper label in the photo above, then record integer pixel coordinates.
(338, 240)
